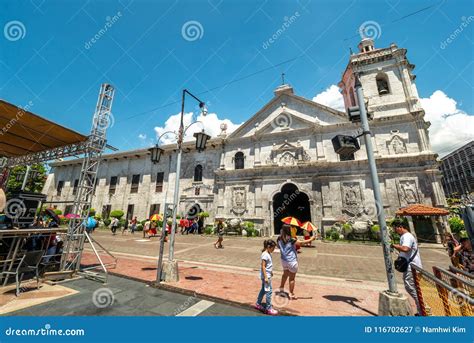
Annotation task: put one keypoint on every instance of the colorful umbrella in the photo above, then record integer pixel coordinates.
(308, 226)
(291, 221)
(156, 217)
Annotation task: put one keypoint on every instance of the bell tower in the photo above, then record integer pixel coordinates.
(387, 79)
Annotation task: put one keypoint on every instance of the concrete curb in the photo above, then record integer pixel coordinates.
(187, 292)
(183, 291)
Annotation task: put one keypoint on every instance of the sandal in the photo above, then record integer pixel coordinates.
(293, 297)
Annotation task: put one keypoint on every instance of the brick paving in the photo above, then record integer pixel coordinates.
(335, 279)
(342, 260)
(317, 296)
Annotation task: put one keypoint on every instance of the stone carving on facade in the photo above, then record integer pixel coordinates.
(288, 154)
(351, 198)
(287, 159)
(239, 200)
(408, 192)
(396, 145)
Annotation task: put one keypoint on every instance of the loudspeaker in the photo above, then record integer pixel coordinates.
(345, 145)
(21, 207)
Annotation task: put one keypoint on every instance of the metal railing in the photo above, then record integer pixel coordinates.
(438, 297)
(462, 273)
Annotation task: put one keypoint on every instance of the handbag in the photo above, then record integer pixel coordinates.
(401, 263)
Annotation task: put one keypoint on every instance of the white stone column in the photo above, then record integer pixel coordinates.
(271, 227)
(424, 143)
(436, 229)
(257, 147)
(374, 144)
(411, 225)
(258, 199)
(222, 162)
(320, 147)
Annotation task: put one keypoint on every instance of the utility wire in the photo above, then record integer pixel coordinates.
(451, 148)
(217, 87)
(265, 69)
(401, 18)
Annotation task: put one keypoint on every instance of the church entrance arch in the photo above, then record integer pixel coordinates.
(290, 201)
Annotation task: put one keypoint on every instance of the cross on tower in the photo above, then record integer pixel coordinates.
(282, 78)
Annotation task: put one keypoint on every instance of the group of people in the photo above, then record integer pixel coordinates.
(189, 226)
(115, 224)
(287, 244)
(460, 252)
(151, 227)
(50, 242)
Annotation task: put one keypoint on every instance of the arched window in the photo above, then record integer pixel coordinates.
(198, 173)
(382, 83)
(239, 160)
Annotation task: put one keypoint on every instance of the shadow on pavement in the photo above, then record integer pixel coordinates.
(348, 300)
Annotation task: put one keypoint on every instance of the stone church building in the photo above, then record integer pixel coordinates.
(282, 162)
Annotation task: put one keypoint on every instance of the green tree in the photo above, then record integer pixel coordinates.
(36, 178)
(117, 214)
(456, 224)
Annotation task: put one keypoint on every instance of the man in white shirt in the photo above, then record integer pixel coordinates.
(408, 249)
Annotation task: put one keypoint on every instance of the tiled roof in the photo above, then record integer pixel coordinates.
(422, 210)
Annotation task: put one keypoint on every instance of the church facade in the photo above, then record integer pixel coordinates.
(282, 162)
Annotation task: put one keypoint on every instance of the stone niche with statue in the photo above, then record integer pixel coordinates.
(408, 192)
(239, 200)
(358, 215)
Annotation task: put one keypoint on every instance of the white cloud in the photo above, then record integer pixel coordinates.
(211, 124)
(450, 127)
(331, 97)
(142, 136)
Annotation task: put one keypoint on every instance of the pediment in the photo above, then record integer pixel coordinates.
(286, 147)
(288, 112)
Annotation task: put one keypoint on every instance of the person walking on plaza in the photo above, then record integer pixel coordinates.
(408, 249)
(266, 274)
(220, 229)
(133, 225)
(146, 228)
(125, 226)
(114, 225)
(289, 258)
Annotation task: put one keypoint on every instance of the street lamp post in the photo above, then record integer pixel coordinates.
(390, 302)
(171, 267)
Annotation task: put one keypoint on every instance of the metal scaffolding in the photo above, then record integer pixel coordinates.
(96, 143)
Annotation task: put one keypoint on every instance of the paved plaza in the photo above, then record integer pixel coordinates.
(124, 297)
(348, 261)
(334, 279)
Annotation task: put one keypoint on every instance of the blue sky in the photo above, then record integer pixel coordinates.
(56, 67)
